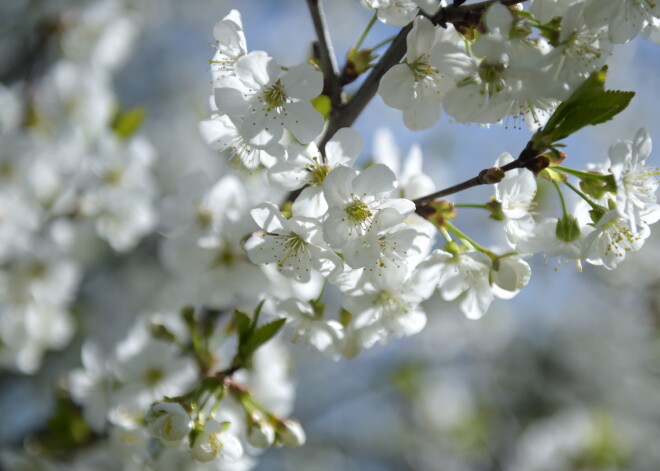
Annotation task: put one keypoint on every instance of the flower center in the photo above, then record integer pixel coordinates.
(358, 211)
(153, 376)
(275, 96)
(422, 69)
(225, 257)
(318, 173)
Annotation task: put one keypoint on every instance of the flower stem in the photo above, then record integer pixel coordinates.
(561, 198)
(583, 196)
(580, 174)
(445, 234)
(465, 238)
(383, 42)
(366, 31)
(479, 206)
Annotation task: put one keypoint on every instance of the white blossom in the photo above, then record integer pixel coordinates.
(294, 245)
(216, 442)
(354, 200)
(270, 100)
(168, 421)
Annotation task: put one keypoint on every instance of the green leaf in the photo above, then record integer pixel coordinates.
(126, 123)
(257, 312)
(262, 335)
(243, 325)
(590, 104)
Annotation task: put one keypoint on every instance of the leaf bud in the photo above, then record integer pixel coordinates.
(358, 61)
(539, 164)
(492, 175)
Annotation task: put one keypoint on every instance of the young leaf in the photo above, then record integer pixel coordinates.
(589, 104)
(243, 325)
(262, 335)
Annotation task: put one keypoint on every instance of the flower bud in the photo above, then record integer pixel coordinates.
(260, 433)
(510, 273)
(216, 442)
(291, 433)
(168, 421)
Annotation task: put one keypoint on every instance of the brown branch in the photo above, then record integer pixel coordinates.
(345, 115)
(326, 54)
(526, 159)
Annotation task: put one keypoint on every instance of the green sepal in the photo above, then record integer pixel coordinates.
(553, 175)
(567, 229)
(345, 317)
(318, 307)
(495, 208)
(598, 186)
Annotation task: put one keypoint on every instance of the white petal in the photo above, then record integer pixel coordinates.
(303, 81)
(397, 87)
(421, 38)
(303, 121)
(338, 186)
(257, 70)
(310, 203)
(344, 147)
(268, 217)
(229, 97)
(377, 179)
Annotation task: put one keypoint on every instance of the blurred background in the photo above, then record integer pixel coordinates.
(564, 377)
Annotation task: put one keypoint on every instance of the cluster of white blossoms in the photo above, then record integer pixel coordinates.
(71, 175)
(203, 423)
(297, 235)
(357, 230)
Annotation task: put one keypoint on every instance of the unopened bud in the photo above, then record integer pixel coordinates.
(168, 421)
(215, 442)
(260, 434)
(290, 433)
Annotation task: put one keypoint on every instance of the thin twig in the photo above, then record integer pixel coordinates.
(329, 65)
(526, 157)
